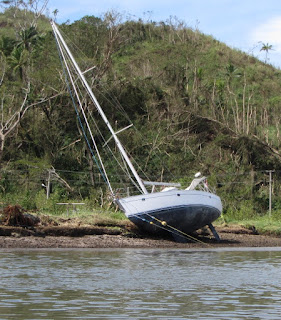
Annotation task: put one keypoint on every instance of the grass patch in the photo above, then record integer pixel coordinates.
(265, 224)
(80, 216)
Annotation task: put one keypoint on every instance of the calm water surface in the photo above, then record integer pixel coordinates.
(140, 284)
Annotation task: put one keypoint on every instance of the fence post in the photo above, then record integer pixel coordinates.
(49, 182)
(270, 191)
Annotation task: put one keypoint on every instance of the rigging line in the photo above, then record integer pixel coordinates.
(62, 55)
(118, 105)
(126, 171)
(121, 108)
(109, 151)
(82, 55)
(103, 172)
(116, 101)
(100, 110)
(65, 65)
(140, 168)
(124, 168)
(163, 225)
(78, 98)
(181, 233)
(173, 232)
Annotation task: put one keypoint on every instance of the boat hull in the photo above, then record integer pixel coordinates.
(183, 210)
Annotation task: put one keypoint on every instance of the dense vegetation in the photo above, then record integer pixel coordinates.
(197, 104)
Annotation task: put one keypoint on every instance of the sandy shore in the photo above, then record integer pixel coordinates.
(94, 237)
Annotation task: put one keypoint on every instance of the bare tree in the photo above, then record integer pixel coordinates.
(23, 10)
(10, 118)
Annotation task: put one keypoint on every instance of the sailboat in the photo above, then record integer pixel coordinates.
(171, 210)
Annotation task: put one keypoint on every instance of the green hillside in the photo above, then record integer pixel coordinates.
(196, 104)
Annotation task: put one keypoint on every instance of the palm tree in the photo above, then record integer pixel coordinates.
(231, 73)
(6, 45)
(266, 47)
(18, 61)
(28, 38)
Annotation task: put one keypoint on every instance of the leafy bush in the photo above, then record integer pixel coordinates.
(245, 211)
(49, 205)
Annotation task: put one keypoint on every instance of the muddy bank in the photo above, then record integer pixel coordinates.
(102, 237)
(19, 229)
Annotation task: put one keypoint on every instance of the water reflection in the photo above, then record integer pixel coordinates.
(140, 284)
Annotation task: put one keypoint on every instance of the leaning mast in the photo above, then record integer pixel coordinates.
(90, 92)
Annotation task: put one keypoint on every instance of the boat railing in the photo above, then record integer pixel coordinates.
(200, 184)
(166, 185)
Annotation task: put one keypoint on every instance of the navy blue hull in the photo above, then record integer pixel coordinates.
(185, 218)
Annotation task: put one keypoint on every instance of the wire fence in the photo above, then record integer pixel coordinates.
(260, 190)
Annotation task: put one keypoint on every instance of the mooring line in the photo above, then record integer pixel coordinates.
(178, 232)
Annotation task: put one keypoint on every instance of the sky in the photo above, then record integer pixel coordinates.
(241, 24)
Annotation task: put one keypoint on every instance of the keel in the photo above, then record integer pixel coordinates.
(214, 232)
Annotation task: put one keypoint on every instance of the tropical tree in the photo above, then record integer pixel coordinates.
(15, 78)
(18, 60)
(6, 46)
(266, 47)
(28, 37)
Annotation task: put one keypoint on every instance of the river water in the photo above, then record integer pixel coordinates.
(140, 284)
